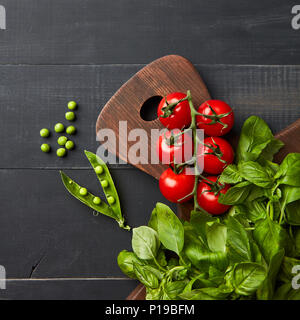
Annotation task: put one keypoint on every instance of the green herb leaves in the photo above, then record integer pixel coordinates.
(169, 228)
(246, 254)
(145, 242)
(255, 137)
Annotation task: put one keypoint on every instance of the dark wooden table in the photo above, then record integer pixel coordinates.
(56, 50)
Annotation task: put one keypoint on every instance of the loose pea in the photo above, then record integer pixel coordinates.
(83, 191)
(69, 145)
(111, 200)
(45, 147)
(71, 130)
(70, 115)
(97, 200)
(72, 105)
(62, 140)
(104, 183)
(44, 133)
(99, 169)
(59, 127)
(61, 152)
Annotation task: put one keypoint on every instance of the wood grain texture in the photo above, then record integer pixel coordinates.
(165, 75)
(33, 97)
(46, 233)
(67, 289)
(139, 31)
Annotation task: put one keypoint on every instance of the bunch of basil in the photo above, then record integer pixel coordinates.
(248, 253)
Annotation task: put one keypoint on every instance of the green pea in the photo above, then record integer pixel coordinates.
(62, 140)
(70, 145)
(71, 130)
(97, 200)
(45, 147)
(61, 152)
(44, 133)
(59, 127)
(104, 183)
(111, 200)
(70, 115)
(99, 169)
(72, 105)
(83, 191)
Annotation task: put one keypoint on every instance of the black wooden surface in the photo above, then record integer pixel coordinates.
(138, 31)
(56, 50)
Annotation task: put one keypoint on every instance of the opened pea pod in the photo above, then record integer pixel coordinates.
(112, 208)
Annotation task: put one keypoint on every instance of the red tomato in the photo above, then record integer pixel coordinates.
(178, 117)
(221, 149)
(208, 200)
(176, 186)
(215, 108)
(171, 147)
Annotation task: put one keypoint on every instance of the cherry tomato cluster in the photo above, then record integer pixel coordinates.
(175, 147)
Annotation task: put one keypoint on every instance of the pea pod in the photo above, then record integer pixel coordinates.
(109, 188)
(113, 209)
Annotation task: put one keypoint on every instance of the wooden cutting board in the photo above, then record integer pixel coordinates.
(159, 78)
(168, 74)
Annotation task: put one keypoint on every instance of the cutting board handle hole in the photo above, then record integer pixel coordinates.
(148, 111)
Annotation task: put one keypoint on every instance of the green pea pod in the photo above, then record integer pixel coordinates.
(74, 189)
(110, 190)
(112, 210)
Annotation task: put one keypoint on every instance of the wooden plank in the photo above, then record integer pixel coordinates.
(46, 233)
(40, 93)
(138, 31)
(67, 289)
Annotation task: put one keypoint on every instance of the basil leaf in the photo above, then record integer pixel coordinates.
(289, 170)
(170, 229)
(296, 239)
(287, 265)
(270, 238)
(293, 213)
(290, 194)
(173, 289)
(210, 293)
(254, 138)
(216, 236)
(231, 175)
(255, 173)
(145, 243)
(238, 241)
(145, 276)
(266, 292)
(236, 194)
(200, 256)
(270, 150)
(153, 220)
(198, 222)
(154, 294)
(246, 278)
(286, 292)
(255, 210)
(126, 260)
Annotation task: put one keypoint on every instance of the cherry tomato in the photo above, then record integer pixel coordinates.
(221, 149)
(174, 186)
(223, 118)
(176, 117)
(208, 200)
(172, 146)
